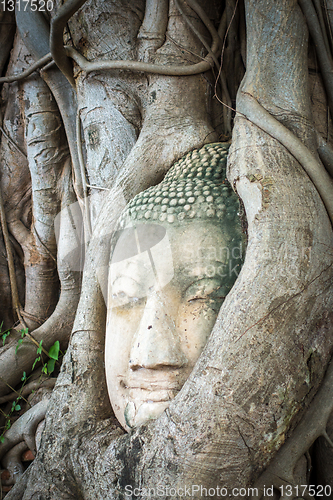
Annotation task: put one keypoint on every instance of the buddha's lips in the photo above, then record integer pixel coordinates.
(153, 395)
(159, 390)
(150, 385)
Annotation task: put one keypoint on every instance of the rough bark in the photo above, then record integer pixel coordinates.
(43, 175)
(269, 349)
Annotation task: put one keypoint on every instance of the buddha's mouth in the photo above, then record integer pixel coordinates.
(140, 389)
(152, 395)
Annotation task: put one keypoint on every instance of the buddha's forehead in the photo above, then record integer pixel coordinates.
(169, 249)
(144, 236)
(137, 238)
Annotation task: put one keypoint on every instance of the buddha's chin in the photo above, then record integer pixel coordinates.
(135, 416)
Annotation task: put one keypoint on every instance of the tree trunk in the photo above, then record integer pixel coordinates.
(269, 349)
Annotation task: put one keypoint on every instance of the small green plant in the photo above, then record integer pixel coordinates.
(39, 353)
(54, 351)
(24, 331)
(47, 368)
(4, 334)
(15, 407)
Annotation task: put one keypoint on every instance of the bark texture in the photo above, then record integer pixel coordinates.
(271, 344)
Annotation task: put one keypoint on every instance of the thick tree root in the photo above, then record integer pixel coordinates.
(281, 470)
(13, 464)
(52, 192)
(257, 114)
(24, 429)
(152, 31)
(35, 32)
(322, 50)
(58, 24)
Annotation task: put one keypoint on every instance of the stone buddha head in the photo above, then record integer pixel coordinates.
(175, 256)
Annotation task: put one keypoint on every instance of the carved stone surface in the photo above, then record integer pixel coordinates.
(175, 256)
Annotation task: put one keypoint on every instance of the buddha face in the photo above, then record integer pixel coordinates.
(166, 286)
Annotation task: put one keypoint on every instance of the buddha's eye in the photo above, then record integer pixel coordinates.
(122, 299)
(125, 291)
(207, 288)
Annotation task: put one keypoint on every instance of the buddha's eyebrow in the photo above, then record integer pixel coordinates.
(199, 253)
(197, 268)
(193, 273)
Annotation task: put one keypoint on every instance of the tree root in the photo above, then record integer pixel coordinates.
(61, 54)
(20, 486)
(35, 33)
(28, 388)
(250, 108)
(280, 472)
(13, 464)
(57, 327)
(21, 76)
(85, 202)
(153, 28)
(157, 69)
(58, 24)
(24, 429)
(207, 22)
(42, 239)
(217, 42)
(326, 153)
(324, 57)
(10, 259)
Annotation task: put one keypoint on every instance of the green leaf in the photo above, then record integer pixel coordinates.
(50, 365)
(44, 369)
(24, 331)
(4, 336)
(54, 350)
(17, 407)
(19, 342)
(35, 362)
(24, 377)
(2, 438)
(39, 349)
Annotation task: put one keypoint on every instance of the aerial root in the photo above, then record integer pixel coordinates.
(21, 76)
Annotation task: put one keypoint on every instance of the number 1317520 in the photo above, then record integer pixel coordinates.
(27, 5)
(304, 490)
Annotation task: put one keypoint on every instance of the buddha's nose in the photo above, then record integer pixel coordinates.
(156, 343)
